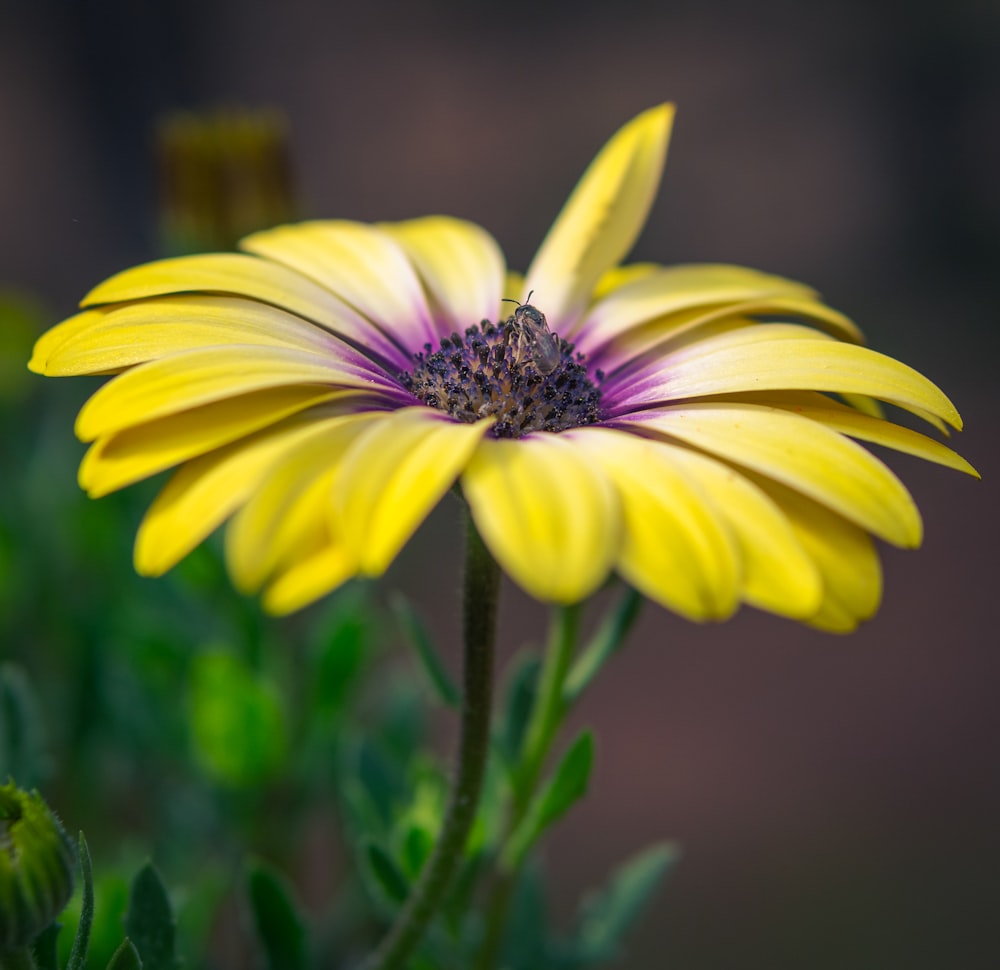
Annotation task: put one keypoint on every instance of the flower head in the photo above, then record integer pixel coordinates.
(324, 388)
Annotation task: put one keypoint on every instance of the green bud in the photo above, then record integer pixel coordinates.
(36, 866)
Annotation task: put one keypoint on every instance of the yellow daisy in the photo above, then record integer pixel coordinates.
(323, 389)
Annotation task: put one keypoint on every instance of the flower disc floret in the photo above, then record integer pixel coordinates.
(478, 376)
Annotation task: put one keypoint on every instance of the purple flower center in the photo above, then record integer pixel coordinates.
(489, 373)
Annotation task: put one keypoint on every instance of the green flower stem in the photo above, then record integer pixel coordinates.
(549, 708)
(482, 585)
(546, 716)
(19, 959)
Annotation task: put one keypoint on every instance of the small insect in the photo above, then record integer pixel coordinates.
(535, 342)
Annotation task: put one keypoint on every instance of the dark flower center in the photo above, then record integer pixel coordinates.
(488, 372)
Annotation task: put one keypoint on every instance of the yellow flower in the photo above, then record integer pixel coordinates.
(325, 388)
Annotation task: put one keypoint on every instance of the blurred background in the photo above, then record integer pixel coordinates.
(836, 799)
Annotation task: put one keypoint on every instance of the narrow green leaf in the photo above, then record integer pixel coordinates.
(46, 947)
(519, 701)
(81, 942)
(607, 916)
(524, 944)
(276, 918)
(417, 633)
(149, 921)
(126, 957)
(22, 732)
(342, 648)
(384, 877)
(606, 641)
(416, 845)
(568, 785)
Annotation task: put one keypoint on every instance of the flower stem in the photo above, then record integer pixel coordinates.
(549, 706)
(481, 589)
(546, 717)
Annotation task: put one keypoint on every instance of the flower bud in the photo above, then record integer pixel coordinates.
(36, 866)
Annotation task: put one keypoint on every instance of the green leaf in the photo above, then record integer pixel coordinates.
(384, 878)
(341, 651)
(524, 942)
(606, 641)
(21, 729)
(126, 957)
(416, 632)
(608, 915)
(276, 918)
(416, 845)
(81, 942)
(519, 701)
(237, 720)
(45, 947)
(568, 785)
(149, 921)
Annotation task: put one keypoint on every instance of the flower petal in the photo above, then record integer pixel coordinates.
(461, 266)
(111, 339)
(777, 573)
(844, 555)
(48, 342)
(774, 357)
(137, 452)
(237, 274)
(361, 265)
(549, 516)
(686, 326)
(203, 493)
(601, 219)
(394, 475)
(292, 503)
(620, 276)
(863, 426)
(198, 377)
(676, 547)
(309, 578)
(800, 453)
(706, 288)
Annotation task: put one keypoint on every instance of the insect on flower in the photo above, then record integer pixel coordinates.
(535, 342)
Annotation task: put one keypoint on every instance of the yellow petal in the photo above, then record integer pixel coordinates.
(802, 454)
(394, 475)
(111, 339)
(865, 427)
(460, 264)
(844, 555)
(693, 324)
(602, 218)
(621, 276)
(676, 547)
(309, 578)
(656, 295)
(49, 341)
(513, 289)
(777, 573)
(128, 456)
(291, 504)
(360, 264)
(751, 359)
(198, 377)
(237, 274)
(202, 494)
(551, 519)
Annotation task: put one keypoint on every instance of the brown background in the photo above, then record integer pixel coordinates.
(836, 798)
